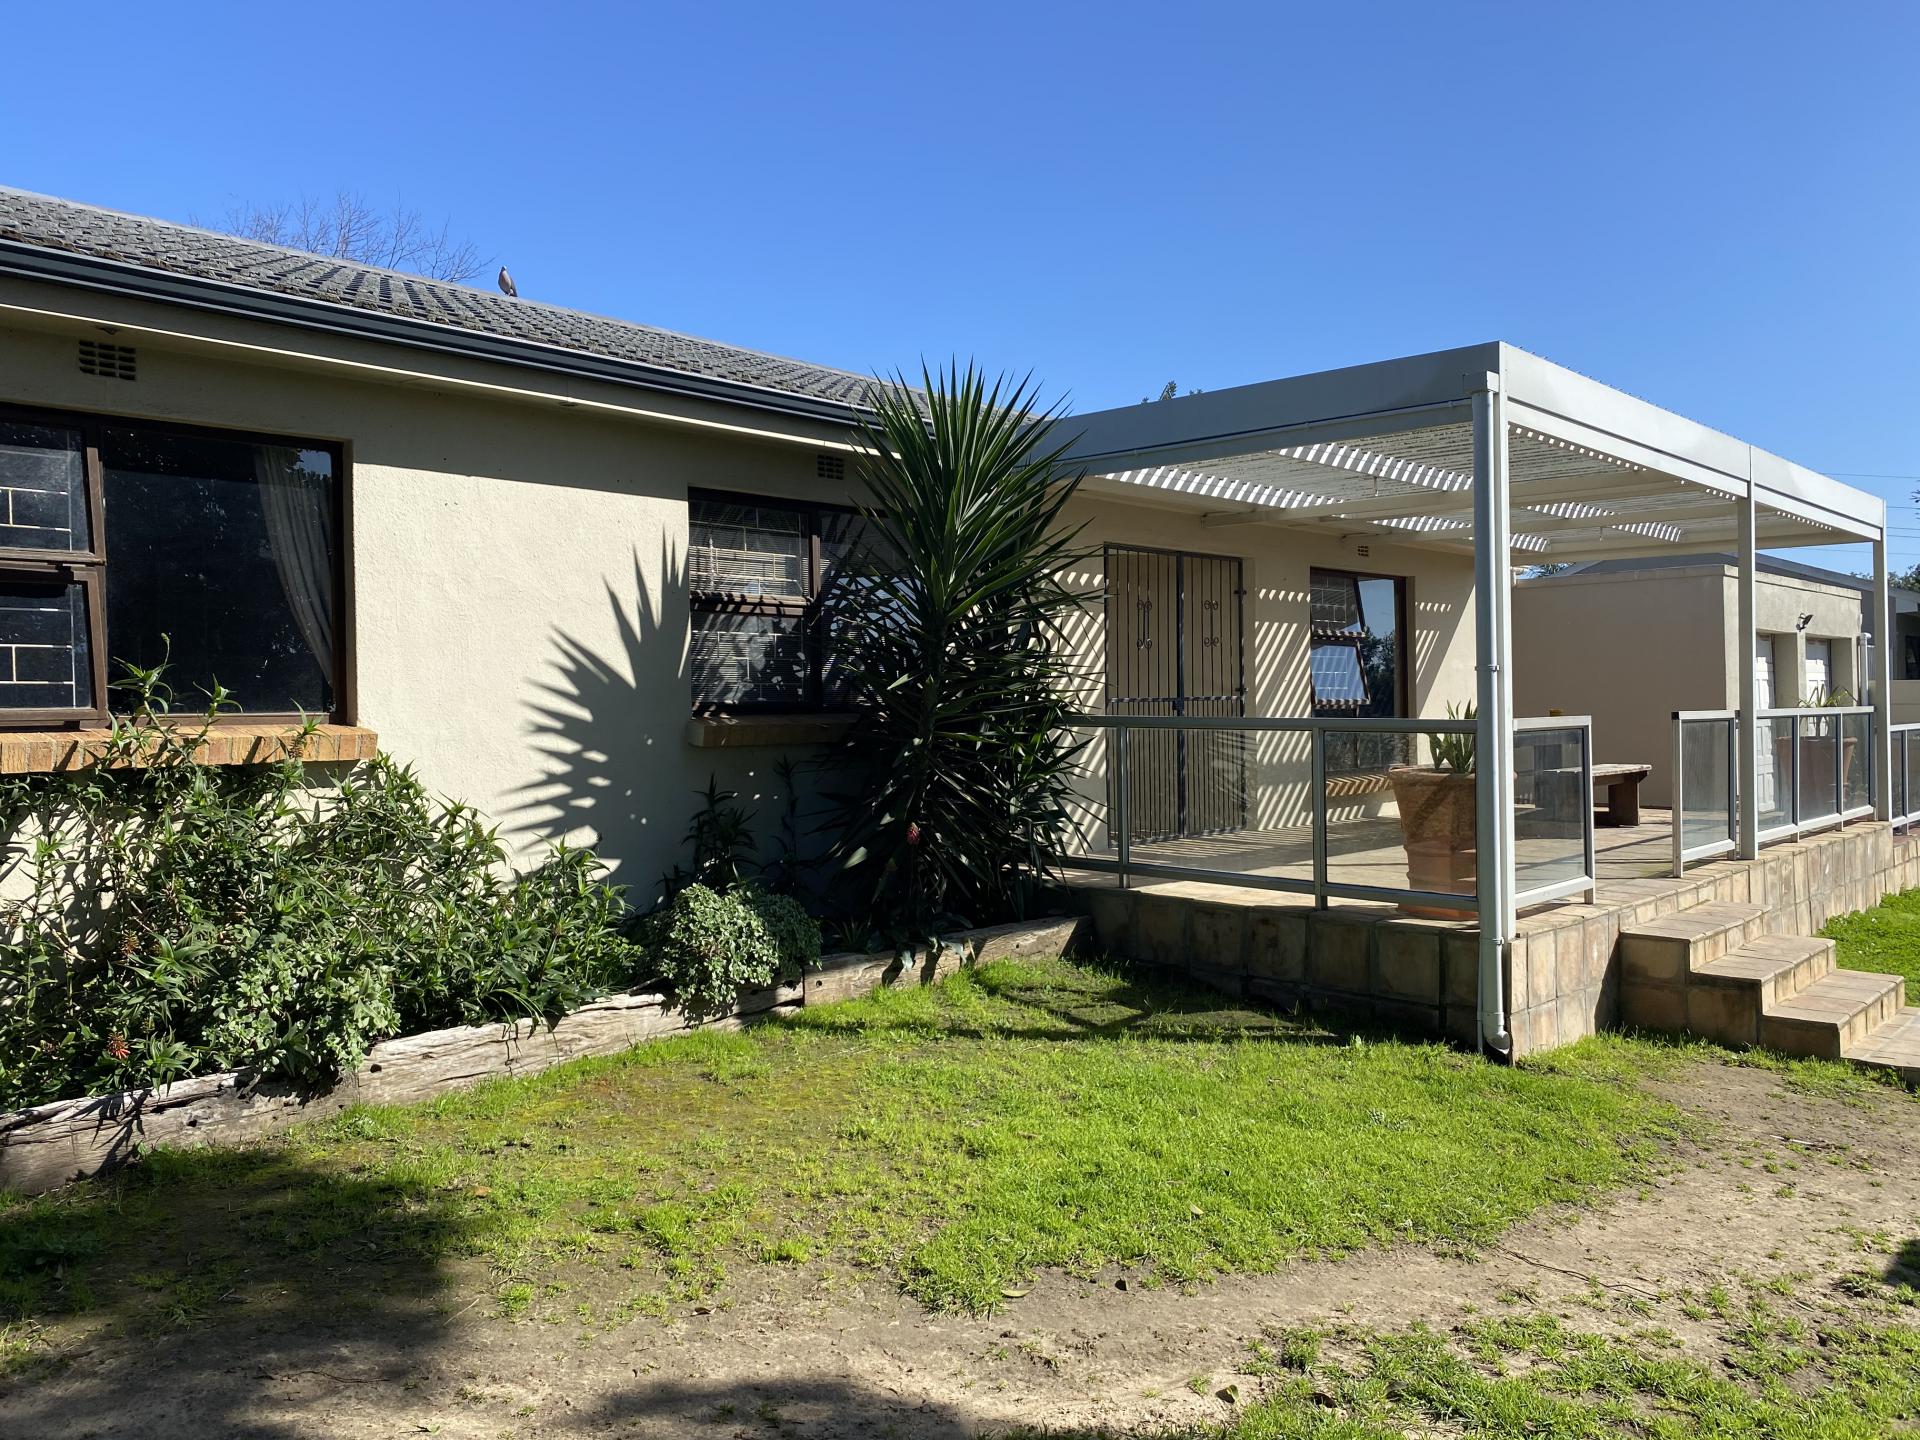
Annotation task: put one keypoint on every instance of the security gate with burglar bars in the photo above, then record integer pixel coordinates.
(1173, 648)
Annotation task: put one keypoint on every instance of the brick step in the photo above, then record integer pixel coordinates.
(1665, 951)
(1894, 1045)
(1834, 1015)
(1779, 966)
(1727, 998)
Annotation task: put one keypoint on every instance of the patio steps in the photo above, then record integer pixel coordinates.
(1718, 971)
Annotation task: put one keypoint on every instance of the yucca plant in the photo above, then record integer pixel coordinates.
(946, 625)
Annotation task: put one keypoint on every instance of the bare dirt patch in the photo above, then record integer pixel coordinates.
(1786, 1190)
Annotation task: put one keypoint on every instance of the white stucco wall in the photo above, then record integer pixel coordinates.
(1836, 618)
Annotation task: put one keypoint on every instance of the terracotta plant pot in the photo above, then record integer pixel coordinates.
(1437, 826)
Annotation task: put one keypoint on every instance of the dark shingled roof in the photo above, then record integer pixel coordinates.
(185, 250)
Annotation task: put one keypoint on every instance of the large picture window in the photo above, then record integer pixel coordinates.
(122, 541)
(1356, 656)
(754, 570)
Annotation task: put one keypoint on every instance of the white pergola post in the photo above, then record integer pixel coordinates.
(1493, 740)
(1749, 706)
(1880, 623)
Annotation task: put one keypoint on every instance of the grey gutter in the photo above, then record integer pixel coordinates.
(116, 277)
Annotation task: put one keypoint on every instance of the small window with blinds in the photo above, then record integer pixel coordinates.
(754, 570)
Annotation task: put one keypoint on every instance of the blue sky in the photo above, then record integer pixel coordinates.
(1714, 206)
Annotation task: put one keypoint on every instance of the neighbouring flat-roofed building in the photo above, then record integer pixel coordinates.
(1599, 638)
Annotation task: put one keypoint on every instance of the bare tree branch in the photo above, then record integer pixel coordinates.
(348, 227)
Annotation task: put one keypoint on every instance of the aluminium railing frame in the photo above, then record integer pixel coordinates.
(1587, 884)
(1903, 805)
(1323, 889)
(1712, 849)
(1800, 825)
(1797, 824)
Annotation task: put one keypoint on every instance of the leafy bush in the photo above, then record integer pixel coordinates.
(174, 918)
(720, 840)
(710, 944)
(480, 943)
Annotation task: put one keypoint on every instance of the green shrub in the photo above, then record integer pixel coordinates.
(481, 943)
(287, 1011)
(177, 918)
(709, 944)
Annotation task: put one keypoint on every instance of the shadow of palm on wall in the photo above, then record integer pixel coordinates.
(609, 728)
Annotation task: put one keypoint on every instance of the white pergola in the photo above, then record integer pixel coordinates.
(1492, 452)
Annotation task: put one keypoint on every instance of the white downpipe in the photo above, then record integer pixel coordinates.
(1493, 739)
(1882, 683)
(1748, 703)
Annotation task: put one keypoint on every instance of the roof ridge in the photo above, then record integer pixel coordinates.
(225, 236)
(250, 264)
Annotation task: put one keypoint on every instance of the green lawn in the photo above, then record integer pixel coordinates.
(956, 1139)
(1885, 939)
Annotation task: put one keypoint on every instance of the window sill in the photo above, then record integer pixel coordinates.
(46, 752)
(710, 732)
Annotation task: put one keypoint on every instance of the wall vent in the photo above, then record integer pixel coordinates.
(110, 362)
(1363, 551)
(830, 467)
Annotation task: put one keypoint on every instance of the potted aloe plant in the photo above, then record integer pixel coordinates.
(1436, 804)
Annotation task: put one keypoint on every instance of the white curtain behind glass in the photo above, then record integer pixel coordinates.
(298, 506)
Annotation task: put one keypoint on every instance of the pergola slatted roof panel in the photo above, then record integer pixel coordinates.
(1674, 485)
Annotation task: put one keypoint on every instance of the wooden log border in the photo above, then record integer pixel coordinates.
(66, 1140)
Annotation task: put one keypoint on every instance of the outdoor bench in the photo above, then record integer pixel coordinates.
(1623, 791)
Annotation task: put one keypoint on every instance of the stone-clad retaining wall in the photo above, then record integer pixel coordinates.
(1564, 978)
(1422, 976)
(65, 1140)
(1416, 975)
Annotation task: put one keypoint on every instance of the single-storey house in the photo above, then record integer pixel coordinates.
(1668, 625)
(555, 561)
(562, 564)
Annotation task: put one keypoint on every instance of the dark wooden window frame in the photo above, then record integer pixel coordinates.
(1402, 605)
(89, 568)
(700, 602)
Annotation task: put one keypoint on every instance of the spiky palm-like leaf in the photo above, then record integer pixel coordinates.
(947, 628)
